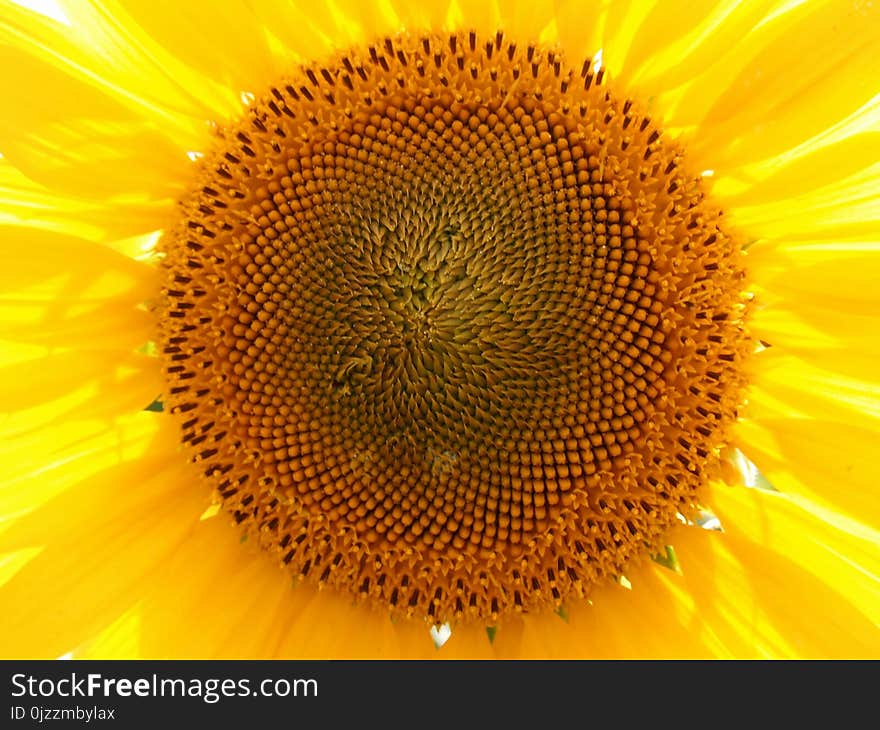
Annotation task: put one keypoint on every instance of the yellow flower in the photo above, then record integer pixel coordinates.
(444, 308)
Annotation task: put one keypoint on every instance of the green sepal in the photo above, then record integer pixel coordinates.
(669, 560)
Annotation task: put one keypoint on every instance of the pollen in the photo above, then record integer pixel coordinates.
(450, 326)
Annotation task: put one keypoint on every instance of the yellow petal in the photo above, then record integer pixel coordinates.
(259, 612)
(222, 42)
(830, 164)
(24, 202)
(814, 64)
(38, 381)
(704, 38)
(579, 24)
(69, 274)
(304, 33)
(726, 602)
(841, 554)
(836, 275)
(119, 640)
(525, 20)
(101, 45)
(49, 460)
(100, 539)
(669, 28)
(831, 462)
(620, 24)
(845, 346)
(73, 138)
(760, 602)
(651, 620)
(817, 301)
(71, 324)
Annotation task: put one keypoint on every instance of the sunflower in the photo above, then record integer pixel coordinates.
(512, 329)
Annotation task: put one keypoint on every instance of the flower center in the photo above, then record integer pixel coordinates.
(449, 326)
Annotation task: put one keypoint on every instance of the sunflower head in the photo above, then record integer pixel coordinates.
(449, 318)
(450, 326)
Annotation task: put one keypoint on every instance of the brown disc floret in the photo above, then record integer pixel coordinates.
(449, 326)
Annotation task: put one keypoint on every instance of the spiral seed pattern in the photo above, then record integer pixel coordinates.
(449, 326)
